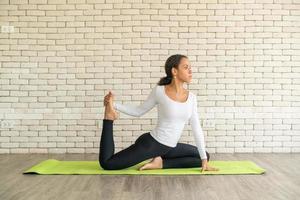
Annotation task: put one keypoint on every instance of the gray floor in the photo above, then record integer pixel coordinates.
(281, 181)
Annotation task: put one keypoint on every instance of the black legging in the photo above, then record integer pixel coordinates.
(145, 147)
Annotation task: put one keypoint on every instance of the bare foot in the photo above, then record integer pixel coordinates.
(110, 112)
(156, 163)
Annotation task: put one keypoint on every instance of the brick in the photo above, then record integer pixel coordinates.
(65, 55)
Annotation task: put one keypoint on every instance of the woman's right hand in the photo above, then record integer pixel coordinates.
(106, 98)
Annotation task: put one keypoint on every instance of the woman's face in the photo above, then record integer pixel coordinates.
(184, 71)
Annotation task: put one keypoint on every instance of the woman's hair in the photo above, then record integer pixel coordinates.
(172, 61)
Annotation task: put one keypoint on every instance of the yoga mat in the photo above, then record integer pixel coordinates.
(52, 166)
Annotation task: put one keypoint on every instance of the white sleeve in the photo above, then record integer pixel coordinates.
(197, 130)
(138, 111)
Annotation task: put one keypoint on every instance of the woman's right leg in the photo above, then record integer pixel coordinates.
(145, 147)
(183, 156)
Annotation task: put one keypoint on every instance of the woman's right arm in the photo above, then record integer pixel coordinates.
(140, 110)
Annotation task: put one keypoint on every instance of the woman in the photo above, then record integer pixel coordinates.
(176, 106)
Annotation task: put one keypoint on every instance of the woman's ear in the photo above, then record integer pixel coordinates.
(174, 71)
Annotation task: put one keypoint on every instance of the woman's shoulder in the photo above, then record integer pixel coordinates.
(193, 95)
(158, 87)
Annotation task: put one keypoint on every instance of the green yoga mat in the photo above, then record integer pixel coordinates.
(52, 166)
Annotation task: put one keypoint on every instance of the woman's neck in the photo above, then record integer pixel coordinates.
(177, 86)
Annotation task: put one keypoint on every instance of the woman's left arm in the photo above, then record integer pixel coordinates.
(197, 130)
(199, 137)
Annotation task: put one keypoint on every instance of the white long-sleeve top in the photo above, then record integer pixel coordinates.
(172, 117)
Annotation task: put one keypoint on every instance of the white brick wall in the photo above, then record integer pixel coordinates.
(64, 56)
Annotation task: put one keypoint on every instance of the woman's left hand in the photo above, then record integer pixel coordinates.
(206, 167)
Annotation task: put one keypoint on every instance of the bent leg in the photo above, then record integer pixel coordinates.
(107, 145)
(125, 158)
(144, 148)
(183, 156)
(182, 150)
